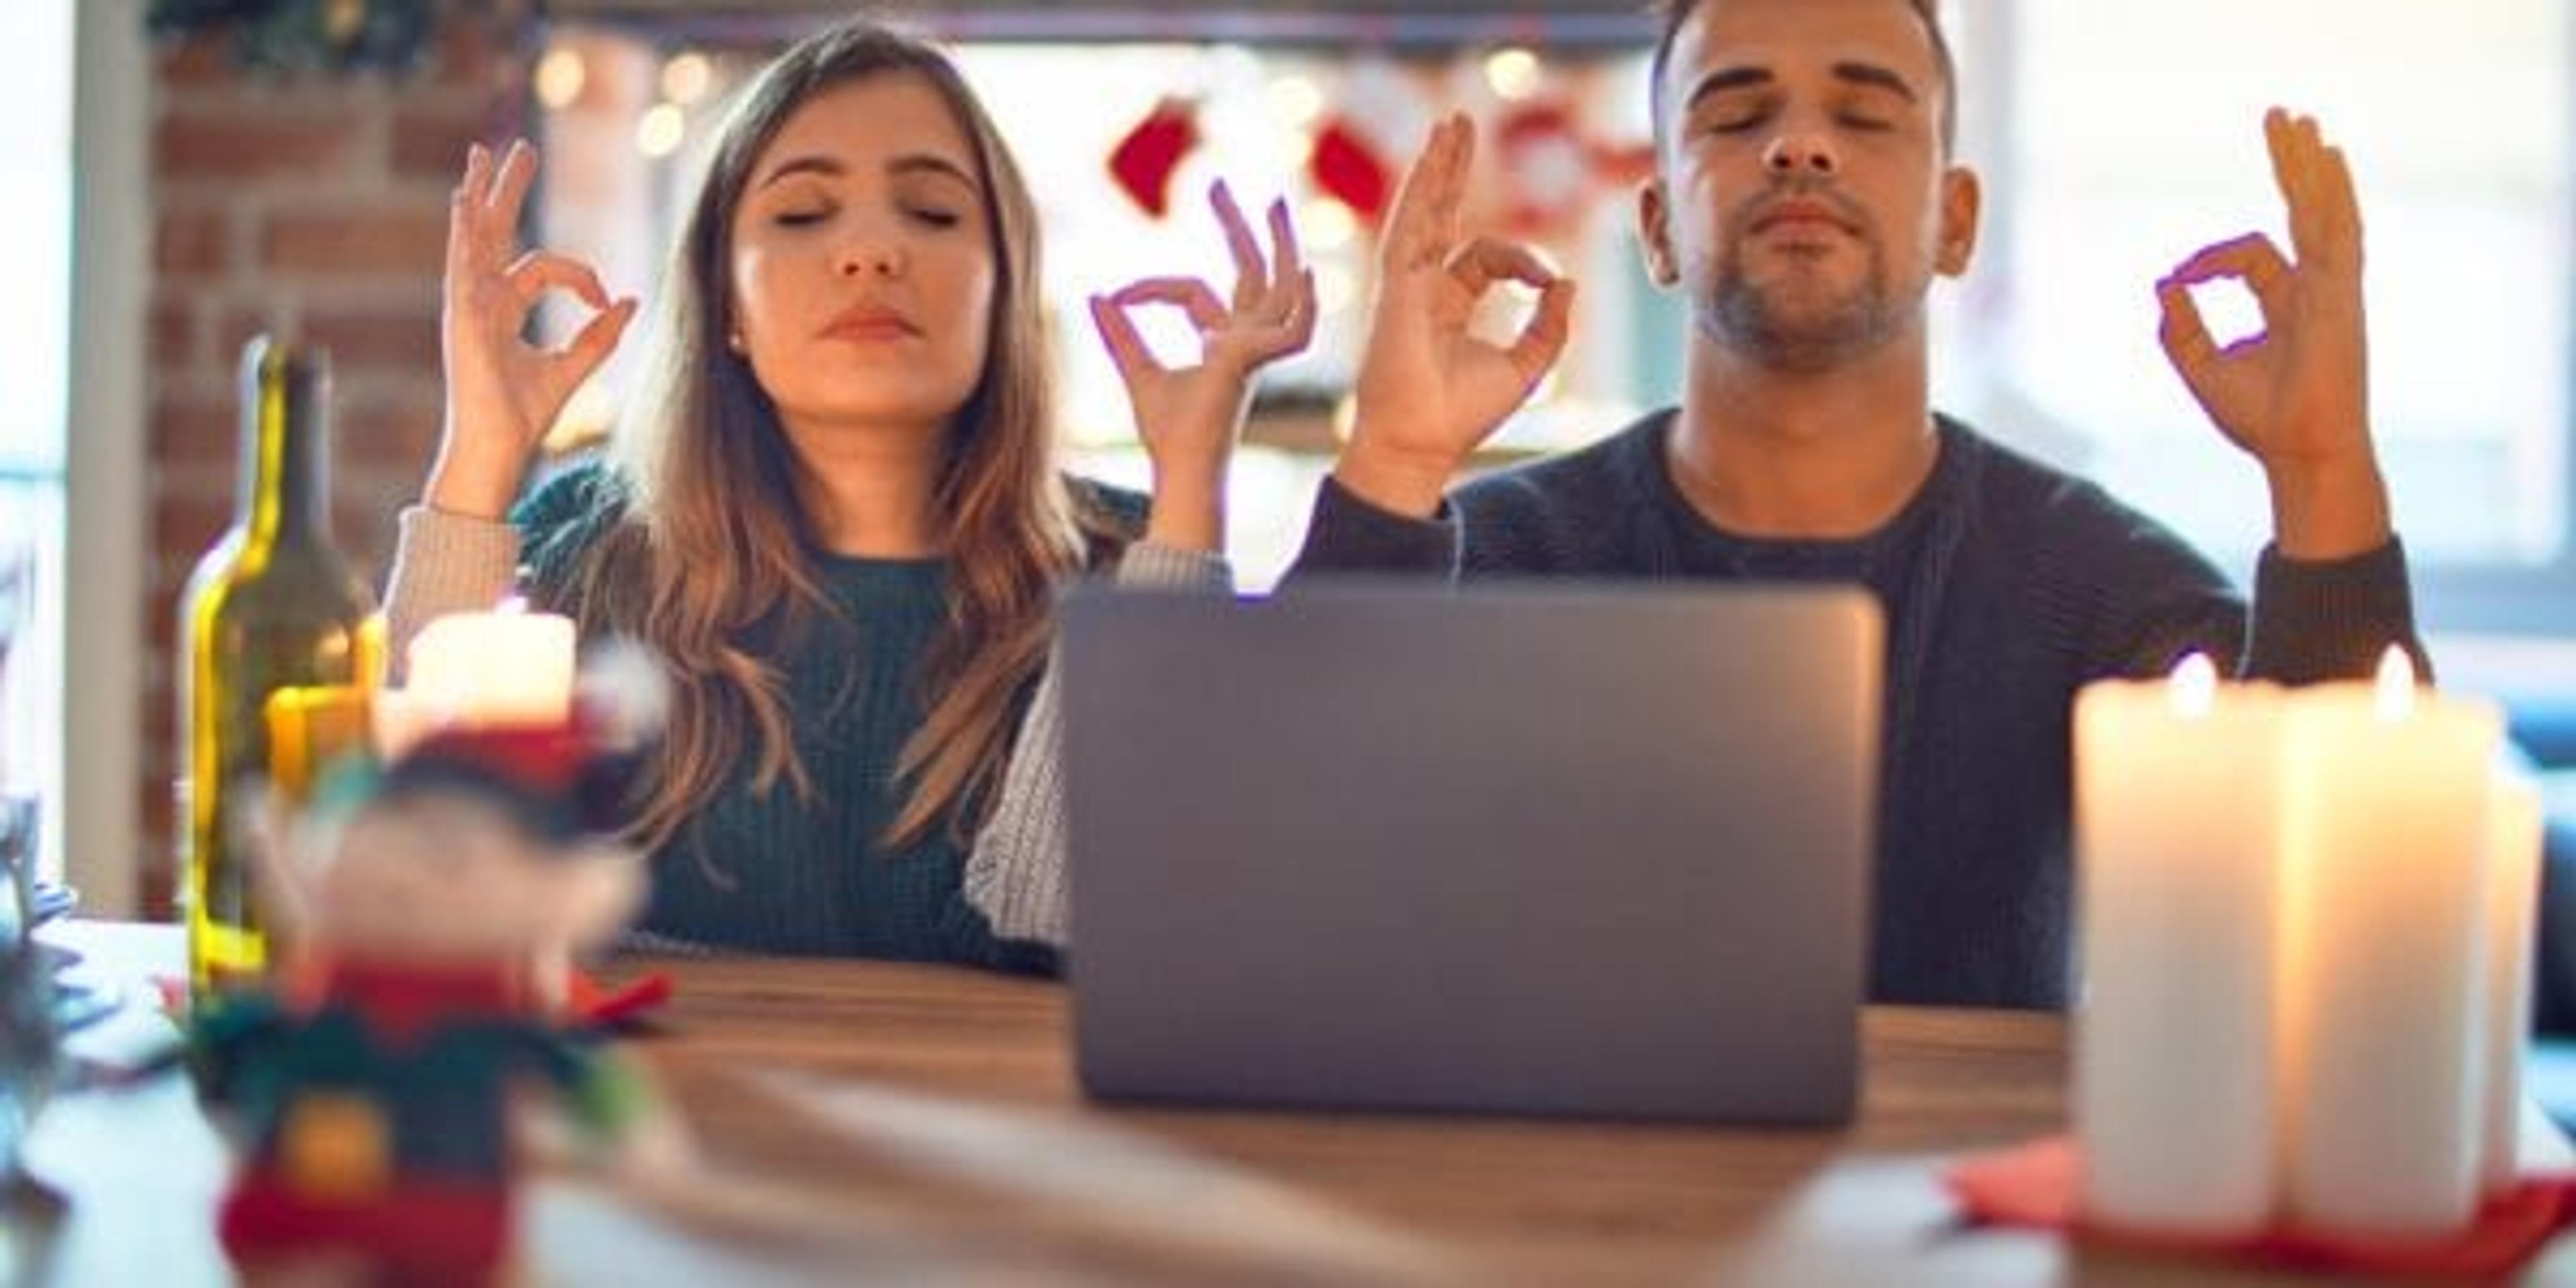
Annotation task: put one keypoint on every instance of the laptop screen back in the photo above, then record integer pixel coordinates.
(1551, 850)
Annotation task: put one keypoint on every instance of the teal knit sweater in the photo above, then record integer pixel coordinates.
(772, 870)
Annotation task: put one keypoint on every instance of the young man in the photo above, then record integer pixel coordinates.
(1804, 198)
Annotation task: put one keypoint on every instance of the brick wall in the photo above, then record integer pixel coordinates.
(314, 207)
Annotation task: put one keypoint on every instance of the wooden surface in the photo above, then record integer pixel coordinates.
(839, 1121)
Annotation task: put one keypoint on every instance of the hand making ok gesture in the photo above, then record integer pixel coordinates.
(503, 392)
(1189, 416)
(2296, 396)
(1428, 392)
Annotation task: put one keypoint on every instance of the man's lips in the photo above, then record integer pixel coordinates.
(1799, 216)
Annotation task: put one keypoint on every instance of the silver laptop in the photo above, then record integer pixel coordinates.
(1583, 850)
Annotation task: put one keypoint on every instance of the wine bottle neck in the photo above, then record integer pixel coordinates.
(286, 445)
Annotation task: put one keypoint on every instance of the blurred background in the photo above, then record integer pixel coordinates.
(185, 173)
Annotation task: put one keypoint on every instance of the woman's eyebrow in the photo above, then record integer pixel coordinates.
(828, 167)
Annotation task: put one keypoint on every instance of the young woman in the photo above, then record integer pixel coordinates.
(836, 512)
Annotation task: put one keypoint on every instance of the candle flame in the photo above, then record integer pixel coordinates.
(2396, 696)
(2193, 689)
(512, 606)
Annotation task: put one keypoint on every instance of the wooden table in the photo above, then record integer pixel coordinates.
(856, 1120)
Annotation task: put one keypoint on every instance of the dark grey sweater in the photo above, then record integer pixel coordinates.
(2007, 584)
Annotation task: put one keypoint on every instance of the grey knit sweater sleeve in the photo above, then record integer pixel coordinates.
(445, 563)
(1016, 875)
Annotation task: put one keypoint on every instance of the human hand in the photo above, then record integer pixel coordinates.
(503, 392)
(2296, 396)
(1190, 416)
(1428, 392)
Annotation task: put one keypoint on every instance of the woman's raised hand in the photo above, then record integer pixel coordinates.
(1190, 416)
(504, 392)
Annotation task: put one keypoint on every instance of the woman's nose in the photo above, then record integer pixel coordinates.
(870, 257)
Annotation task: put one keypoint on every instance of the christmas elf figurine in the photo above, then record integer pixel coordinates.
(373, 1090)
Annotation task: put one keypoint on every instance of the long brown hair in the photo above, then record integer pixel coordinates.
(709, 558)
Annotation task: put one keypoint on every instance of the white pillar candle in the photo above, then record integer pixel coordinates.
(2388, 793)
(506, 667)
(401, 719)
(2513, 899)
(2176, 811)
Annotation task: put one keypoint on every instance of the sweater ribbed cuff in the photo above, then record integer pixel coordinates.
(443, 563)
(2331, 619)
(1347, 534)
(1151, 566)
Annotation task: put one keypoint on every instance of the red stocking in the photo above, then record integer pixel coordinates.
(1348, 168)
(1143, 162)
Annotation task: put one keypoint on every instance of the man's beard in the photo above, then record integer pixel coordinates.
(1769, 323)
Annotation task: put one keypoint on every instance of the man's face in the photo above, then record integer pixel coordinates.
(1803, 197)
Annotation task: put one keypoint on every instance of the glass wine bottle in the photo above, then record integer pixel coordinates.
(280, 649)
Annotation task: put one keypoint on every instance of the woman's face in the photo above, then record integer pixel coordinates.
(862, 261)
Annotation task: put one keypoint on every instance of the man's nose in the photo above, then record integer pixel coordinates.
(1801, 153)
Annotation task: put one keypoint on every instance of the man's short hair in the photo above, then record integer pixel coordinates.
(1675, 12)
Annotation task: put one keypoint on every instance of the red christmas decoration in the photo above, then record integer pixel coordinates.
(1144, 161)
(1347, 167)
(1547, 161)
(1362, 144)
(1623, 165)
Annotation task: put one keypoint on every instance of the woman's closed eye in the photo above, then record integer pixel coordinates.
(933, 216)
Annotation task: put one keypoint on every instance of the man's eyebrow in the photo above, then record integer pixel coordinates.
(1873, 74)
(1724, 79)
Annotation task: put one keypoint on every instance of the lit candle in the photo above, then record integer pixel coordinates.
(2388, 794)
(2513, 898)
(309, 728)
(399, 719)
(2176, 808)
(507, 667)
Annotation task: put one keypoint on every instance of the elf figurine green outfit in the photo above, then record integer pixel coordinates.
(373, 1089)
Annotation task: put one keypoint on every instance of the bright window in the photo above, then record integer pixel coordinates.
(2134, 137)
(35, 170)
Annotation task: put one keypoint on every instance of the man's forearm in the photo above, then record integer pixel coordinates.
(2329, 510)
